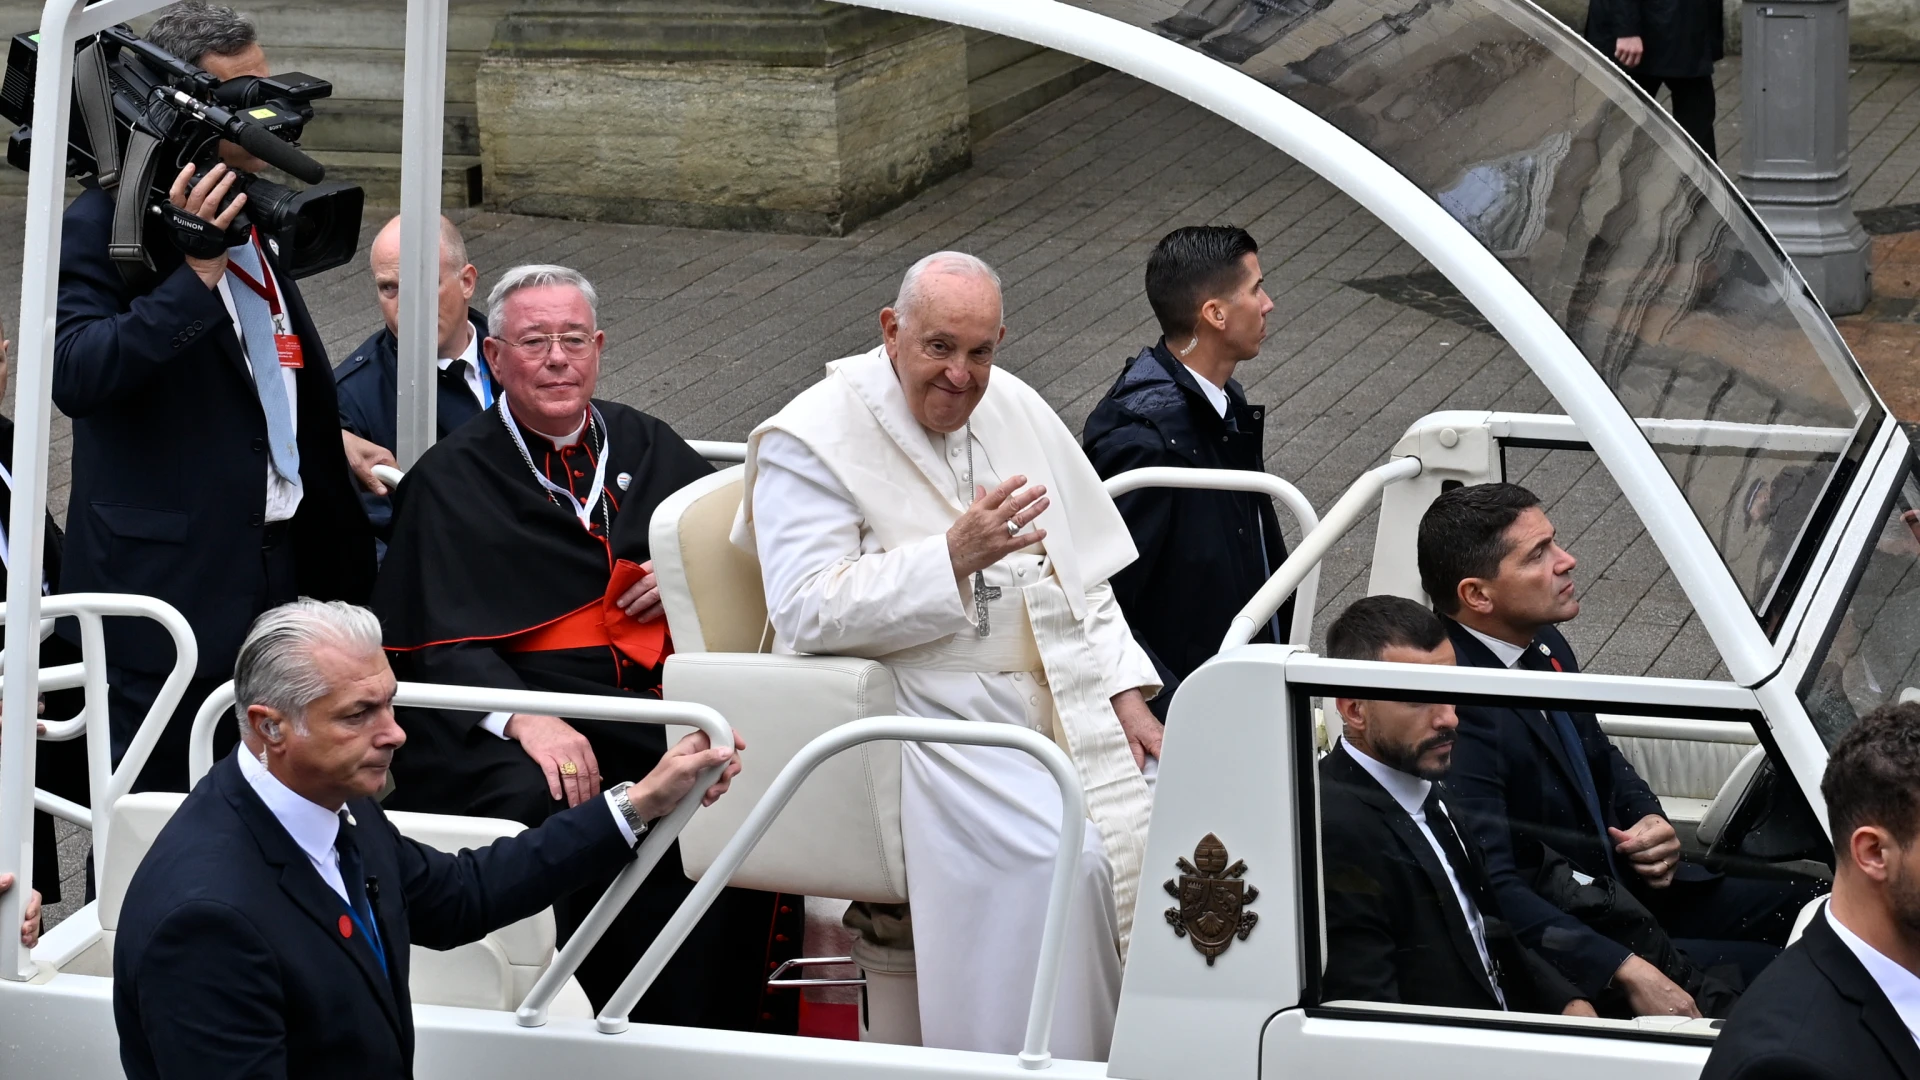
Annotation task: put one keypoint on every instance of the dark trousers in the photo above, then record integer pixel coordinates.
(1692, 105)
(1742, 921)
(131, 693)
(715, 979)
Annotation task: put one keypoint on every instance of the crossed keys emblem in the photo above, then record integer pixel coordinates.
(1212, 898)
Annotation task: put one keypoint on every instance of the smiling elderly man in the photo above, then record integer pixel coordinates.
(519, 559)
(256, 940)
(922, 509)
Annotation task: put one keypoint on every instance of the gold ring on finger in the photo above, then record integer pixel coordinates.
(568, 768)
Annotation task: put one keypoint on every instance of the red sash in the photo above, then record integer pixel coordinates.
(600, 622)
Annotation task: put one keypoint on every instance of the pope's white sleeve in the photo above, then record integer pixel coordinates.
(825, 593)
(1114, 648)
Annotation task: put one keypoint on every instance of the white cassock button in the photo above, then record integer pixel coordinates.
(1035, 701)
(1019, 573)
(1016, 676)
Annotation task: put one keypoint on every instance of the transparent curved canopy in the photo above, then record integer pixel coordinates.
(1609, 216)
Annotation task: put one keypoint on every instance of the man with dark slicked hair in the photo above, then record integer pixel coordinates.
(1586, 863)
(1411, 914)
(1203, 554)
(1844, 1000)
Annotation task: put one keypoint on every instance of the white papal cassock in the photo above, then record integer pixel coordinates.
(847, 505)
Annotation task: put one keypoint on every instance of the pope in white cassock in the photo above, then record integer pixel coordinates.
(921, 509)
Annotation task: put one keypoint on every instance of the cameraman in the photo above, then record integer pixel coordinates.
(207, 466)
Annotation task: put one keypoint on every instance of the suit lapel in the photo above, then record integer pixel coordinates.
(1469, 652)
(1852, 979)
(303, 884)
(1369, 791)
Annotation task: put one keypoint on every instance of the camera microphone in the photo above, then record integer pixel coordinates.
(254, 138)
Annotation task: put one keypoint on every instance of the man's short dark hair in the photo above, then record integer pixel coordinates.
(192, 30)
(1374, 624)
(1191, 266)
(1873, 776)
(1463, 535)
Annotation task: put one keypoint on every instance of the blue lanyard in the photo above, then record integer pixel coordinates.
(486, 382)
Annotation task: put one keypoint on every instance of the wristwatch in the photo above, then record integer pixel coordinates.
(629, 811)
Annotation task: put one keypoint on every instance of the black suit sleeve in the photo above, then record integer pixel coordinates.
(1784, 1065)
(1360, 928)
(1548, 991)
(1477, 785)
(1149, 517)
(456, 899)
(102, 355)
(210, 998)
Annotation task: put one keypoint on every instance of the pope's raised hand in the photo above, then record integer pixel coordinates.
(981, 537)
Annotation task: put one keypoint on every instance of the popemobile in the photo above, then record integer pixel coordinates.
(1681, 347)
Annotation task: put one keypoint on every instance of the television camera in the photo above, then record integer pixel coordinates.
(142, 114)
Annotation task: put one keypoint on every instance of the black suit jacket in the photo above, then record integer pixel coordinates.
(1395, 931)
(1513, 784)
(230, 962)
(1814, 1014)
(170, 452)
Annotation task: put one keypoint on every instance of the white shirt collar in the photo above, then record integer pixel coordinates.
(471, 354)
(1409, 791)
(312, 826)
(566, 440)
(1216, 395)
(1508, 653)
(1901, 986)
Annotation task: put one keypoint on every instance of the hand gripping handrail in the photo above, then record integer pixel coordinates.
(1066, 864)
(106, 782)
(1341, 517)
(1260, 483)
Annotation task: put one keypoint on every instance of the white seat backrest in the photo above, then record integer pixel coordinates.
(709, 588)
(527, 943)
(840, 835)
(136, 823)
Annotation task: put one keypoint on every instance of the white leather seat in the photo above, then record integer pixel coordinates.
(1685, 774)
(493, 973)
(840, 836)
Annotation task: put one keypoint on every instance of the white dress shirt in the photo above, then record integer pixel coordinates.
(316, 829)
(1901, 986)
(1505, 651)
(1411, 793)
(1216, 395)
(471, 354)
(283, 495)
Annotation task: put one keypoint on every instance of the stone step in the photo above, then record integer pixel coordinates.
(989, 53)
(375, 126)
(379, 174)
(1018, 89)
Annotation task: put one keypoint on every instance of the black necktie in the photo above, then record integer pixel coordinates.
(468, 406)
(1535, 660)
(353, 875)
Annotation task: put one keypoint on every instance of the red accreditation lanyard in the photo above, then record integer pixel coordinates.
(285, 343)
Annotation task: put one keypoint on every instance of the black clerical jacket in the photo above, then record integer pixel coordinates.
(231, 960)
(1395, 930)
(480, 555)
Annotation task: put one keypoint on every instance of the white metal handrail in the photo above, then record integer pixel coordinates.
(1305, 559)
(1680, 730)
(105, 781)
(1259, 483)
(1066, 864)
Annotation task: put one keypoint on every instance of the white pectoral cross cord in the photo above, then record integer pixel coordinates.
(983, 593)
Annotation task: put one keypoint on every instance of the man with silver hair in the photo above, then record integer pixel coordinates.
(922, 508)
(519, 558)
(255, 938)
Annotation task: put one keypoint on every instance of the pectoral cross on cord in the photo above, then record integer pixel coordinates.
(983, 593)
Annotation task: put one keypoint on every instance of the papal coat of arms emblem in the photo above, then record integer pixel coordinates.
(1213, 899)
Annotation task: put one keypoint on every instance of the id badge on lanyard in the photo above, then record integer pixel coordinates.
(286, 343)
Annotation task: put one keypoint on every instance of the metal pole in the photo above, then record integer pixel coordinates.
(1794, 157)
(422, 131)
(46, 188)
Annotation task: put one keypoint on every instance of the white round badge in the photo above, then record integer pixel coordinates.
(623, 480)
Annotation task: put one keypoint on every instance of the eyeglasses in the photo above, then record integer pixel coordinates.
(574, 345)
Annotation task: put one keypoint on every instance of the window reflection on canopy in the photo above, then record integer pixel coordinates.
(1603, 210)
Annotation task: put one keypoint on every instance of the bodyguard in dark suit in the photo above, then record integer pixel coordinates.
(1843, 1002)
(257, 938)
(1551, 799)
(171, 429)
(368, 379)
(1411, 914)
(1203, 554)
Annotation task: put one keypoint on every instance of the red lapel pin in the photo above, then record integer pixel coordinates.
(346, 927)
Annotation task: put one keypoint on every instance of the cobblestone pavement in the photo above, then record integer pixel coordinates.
(714, 331)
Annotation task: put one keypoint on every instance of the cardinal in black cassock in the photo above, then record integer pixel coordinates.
(492, 579)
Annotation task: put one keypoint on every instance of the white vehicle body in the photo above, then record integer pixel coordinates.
(1242, 733)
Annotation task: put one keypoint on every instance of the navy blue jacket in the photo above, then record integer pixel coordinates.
(1513, 784)
(170, 451)
(229, 961)
(1201, 556)
(367, 383)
